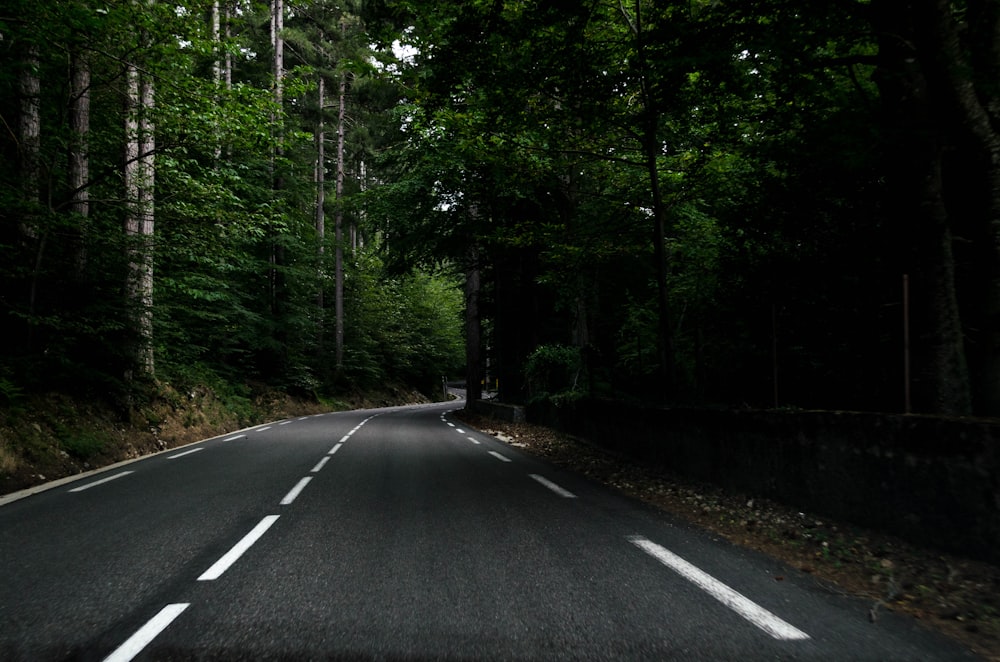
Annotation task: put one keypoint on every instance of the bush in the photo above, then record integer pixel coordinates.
(553, 371)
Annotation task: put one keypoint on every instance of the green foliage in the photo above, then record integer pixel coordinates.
(83, 444)
(404, 328)
(554, 371)
(540, 144)
(10, 393)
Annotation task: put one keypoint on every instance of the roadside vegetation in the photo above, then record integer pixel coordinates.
(44, 437)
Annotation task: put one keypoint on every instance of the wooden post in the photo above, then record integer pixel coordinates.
(774, 351)
(907, 405)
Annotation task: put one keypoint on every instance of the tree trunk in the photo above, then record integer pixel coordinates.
(30, 134)
(966, 73)
(139, 182)
(320, 197)
(915, 160)
(651, 148)
(473, 330)
(215, 25)
(276, 257)
(227, 73)
(339, 232)
(30, 145)
(215, 21)
(79, 154)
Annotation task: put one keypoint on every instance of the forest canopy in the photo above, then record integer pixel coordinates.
(766, 203)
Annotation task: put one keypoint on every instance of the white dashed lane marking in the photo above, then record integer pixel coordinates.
(193, 450)
(233, 555)
(100, 482)
(736, 601)
(154, 626)
(295, 491)
(552, 486)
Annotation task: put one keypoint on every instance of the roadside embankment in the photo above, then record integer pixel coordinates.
(933, 481)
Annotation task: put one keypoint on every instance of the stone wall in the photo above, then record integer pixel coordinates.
(499, 410)
(930, 480)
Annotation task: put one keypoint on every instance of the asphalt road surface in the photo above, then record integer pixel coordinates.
(397, 534)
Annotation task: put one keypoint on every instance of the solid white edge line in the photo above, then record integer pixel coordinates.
(238, 549)
(552, 486)
(473, 440)
(335, 448)
(295, 491)
(154, 626)
(500, 457)
(193, 450)
(101, 482)
(319, 465)
(235, 437)
(736, 601)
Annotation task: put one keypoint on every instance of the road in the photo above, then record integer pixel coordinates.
(397, 534)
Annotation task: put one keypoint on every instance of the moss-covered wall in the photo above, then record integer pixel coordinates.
(931, 480)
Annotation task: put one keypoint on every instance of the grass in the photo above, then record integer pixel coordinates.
(84, 444)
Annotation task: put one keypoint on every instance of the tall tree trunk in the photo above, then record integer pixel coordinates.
(215, 25)
(320, 178)
(967, 73)
(139, 182)
(79, 153)
(30, 145)
(276, 257)
(215, 21)
(473, 330)
(339, 221)
(30, 134)
(915, 172)
(651, 148)
(227, 69)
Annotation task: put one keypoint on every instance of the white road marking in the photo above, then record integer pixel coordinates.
(335, 448)
(238, 550)
(500, 457)
(473, 440)
(736, 601)
(266, 427)
(154, 626)
(100, 482)
(552, 486)
(319, 465)
(193, 450)
(344, 438)
(451, 424)
(234, 438)
(284, 422)
(460, 430)
(296, 491)
(302, 419)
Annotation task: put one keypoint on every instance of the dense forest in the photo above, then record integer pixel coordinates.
(757, 203)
